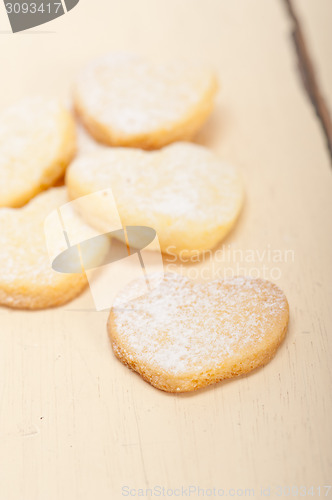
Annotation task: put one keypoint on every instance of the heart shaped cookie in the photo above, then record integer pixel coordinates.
(126, 100)
(183, 335)
(183, 191)
(37, 142)
(27, 279)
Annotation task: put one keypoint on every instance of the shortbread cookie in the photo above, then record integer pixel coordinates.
(27, 279)
(37, 142)
(125, 100)
(183, 191)
(182, 335)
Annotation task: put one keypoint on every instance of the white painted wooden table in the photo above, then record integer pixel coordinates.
(74, 422)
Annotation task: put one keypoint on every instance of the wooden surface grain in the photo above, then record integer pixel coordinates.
(316, 19)
(74, 422)
(311, 43)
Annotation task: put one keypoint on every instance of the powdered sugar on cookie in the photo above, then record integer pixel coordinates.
(182, 327)
(124, 99)
(27, 279)
(186, 193)
(37, 141)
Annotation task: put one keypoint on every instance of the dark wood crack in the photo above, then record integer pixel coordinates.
(309, 76)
